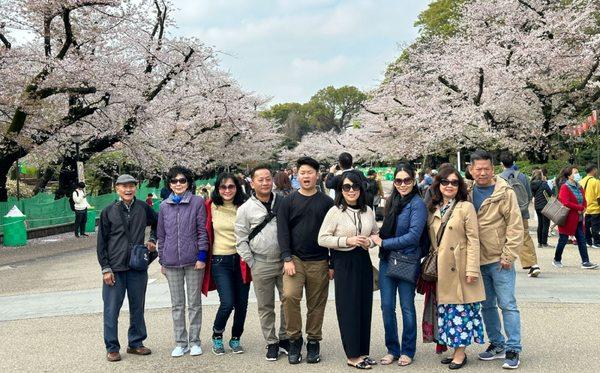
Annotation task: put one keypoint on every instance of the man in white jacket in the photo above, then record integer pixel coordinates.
(81, 206)
(256, 236)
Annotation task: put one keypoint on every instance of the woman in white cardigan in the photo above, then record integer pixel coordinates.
(346, 230)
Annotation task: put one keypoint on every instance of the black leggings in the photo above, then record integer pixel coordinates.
(543, 228)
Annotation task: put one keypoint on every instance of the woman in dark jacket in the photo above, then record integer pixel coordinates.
(406, 217)
(182, 250)
(539, 186)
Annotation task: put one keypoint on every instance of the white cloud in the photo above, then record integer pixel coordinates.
(291, 48)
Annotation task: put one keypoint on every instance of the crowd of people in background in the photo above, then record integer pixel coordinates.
(293, 231)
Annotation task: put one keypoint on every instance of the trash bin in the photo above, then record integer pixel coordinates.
(15, 231)
(90, 225)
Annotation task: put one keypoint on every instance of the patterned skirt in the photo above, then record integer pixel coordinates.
(460, 324)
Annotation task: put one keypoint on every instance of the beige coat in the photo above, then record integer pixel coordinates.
(458, 255)
(500, 225)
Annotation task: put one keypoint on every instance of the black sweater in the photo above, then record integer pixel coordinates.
(299, 219)
(538, 187)
(113, 247)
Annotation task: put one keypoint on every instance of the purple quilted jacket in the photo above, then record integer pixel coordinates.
(181, 231)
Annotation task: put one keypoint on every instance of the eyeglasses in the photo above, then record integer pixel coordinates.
(347, 187)
(405, 181)
(446, 182)
(227, 187)
(183, 180)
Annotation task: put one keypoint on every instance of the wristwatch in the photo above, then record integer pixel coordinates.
(287, 259)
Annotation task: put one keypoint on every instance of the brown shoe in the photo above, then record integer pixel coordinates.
(113, 356)
(142, 350)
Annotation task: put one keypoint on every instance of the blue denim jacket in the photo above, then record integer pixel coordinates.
(410, 226)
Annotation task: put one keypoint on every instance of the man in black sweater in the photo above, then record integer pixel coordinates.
(306, 264)
(115, 242)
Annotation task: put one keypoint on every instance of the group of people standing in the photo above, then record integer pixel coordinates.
(294, 242)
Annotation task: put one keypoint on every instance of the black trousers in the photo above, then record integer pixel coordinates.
(353, 280)
(543, 228)
(592, 229)
(80, 221)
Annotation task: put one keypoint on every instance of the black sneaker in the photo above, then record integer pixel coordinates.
(534, 271)
(295, 355)
(512, 360)
(313, 352)
(272, 351)
(284, 346)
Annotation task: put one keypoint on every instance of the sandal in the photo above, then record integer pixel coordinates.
(369, 360)
(387, 359)
(404, 361)
(360, 365)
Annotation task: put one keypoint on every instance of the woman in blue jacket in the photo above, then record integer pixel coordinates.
(405, 220)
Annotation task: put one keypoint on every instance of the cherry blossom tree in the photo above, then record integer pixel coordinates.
(111, 72)
(515, 73)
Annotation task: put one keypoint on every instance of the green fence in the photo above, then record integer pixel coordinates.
(42, 210)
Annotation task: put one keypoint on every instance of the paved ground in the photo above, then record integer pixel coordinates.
(50, 320)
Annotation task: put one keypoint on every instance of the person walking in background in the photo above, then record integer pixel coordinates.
(182, 253)
(283, 185)
(81, 206)
(225, 270)
(571, 195)
(346, 230)
(403, 225)
(500, 237)
(122, 226)
(540, 189)
(149, 200)
(256, 237)
(520, 184)
(294, 178)
(306, 264)
(591, 187)
(459, 286)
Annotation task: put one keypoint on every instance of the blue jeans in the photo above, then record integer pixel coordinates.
(233, 293)
(500, 293)
(134, 283)
(406, 291)
(562, 242)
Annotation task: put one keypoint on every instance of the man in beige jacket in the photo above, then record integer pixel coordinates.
(501, 237)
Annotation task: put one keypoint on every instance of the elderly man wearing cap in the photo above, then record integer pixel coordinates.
(115, 242)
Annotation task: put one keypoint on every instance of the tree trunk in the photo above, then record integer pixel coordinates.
(67, 178)
(45, 177)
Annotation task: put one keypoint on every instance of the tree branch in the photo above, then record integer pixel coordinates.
(66, 16)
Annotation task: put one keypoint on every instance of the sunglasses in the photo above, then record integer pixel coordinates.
(227, 187)
(347, 187)
(178, 181)
(405, 181)
(446, 182)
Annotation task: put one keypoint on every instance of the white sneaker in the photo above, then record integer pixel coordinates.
(195, 350)
(179, 351)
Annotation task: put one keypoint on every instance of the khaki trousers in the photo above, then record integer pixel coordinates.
(267, 277)
(527, 255)
(314, 277)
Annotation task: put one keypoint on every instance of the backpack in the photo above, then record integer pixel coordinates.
(71, 201)
(520, 191)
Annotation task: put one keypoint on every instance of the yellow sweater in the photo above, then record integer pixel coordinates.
(592, 193)
(223, 221)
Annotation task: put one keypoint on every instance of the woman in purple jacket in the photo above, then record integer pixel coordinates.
(182, 250)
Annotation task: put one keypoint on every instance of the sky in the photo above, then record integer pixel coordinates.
(289, 49)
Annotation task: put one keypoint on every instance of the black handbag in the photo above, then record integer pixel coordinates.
(403, 267)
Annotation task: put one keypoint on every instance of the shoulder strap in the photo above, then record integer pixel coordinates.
(125, 223)
(445, 220)
(270, 215)
(586, 183)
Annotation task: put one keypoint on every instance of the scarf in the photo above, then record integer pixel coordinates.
(388, 228)
(576, 191)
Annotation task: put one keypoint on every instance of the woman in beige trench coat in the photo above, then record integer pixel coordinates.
(459, 287)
